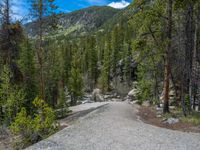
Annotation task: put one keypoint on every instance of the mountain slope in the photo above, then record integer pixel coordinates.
(122, 16)
(79, 22)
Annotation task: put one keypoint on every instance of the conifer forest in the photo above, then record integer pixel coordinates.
(144, 57)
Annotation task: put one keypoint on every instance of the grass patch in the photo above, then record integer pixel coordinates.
(176, 113)
(193, 118)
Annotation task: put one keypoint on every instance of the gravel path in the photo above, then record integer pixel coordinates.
(115, 127)
(86, 106)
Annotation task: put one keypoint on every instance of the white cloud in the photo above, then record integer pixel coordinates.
(119, 5)
(19, 9)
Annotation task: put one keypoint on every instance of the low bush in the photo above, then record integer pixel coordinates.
(61, 113)
(33, 129)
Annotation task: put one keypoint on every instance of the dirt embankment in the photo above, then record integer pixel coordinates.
(148, 115)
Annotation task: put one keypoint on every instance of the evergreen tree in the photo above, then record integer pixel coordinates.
(76, 86)
(11, 35)
(11, 97)
(40, 10)
(104, 79)
(93, 70)
(27, 66)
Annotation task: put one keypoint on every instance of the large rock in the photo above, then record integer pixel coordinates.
(171, 121)
(97, 96)
(146, 104)
(132, 94)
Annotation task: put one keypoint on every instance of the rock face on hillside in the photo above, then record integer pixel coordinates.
(79, 22)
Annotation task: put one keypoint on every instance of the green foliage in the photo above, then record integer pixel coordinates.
(104, 79)
(148, 25)
(193, 118)
(75, 24)
(28, 69)
(93, 67)
(33, 129)
(11, 97)
(127, 62)
(76, 85)
(144, 85)
(187, 103)
(62, 113)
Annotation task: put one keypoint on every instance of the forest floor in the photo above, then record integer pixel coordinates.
(116, 126)
(148, 115)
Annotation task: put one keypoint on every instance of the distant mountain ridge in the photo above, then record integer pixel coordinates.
(80, 22)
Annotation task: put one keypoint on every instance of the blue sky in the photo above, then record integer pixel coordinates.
(20, 7)
(71, 5)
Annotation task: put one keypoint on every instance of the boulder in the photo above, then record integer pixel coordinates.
(87, 101)
(159, 116)
(107, 96)
(132, 94)
(97, 96)
(86, 98)
(146, 103)
(127, 99)
(159, 110)
(115, 99)
(171, 121)
(172, 107)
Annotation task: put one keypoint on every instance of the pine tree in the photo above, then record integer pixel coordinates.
(104, 80)
(40, 10)
(27, 65)
(11, 34)
(76, 85)
(167, 55)
(127, 62)
(93, 70)
(115, 44)
(11, 97)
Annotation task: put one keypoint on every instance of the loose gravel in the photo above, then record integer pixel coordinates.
(116, 126)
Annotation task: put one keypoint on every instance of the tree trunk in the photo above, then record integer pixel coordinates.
(199, 106)
(40, 51)
(167, 53)
(189, 52)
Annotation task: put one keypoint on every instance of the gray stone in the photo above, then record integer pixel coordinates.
(87, 101)
(172, 107)
(97, 96)
(106, 96)
(132, 93)
(171, 121)
(159, 109)
(159, 116)
(116, 99)
(146, 103)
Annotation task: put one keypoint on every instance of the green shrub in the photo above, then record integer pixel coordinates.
(33, 129)
(61, 113)
(187, 102)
